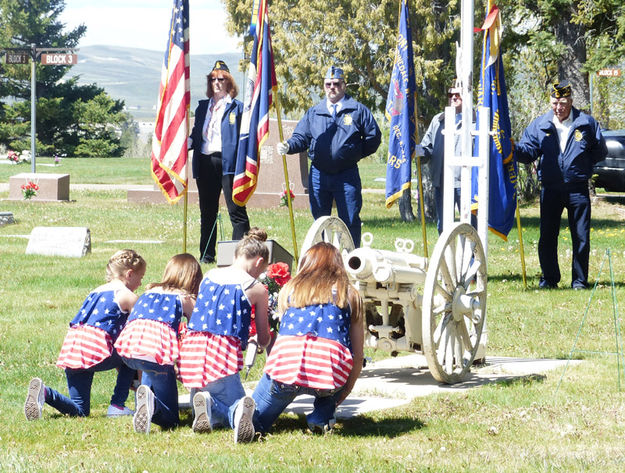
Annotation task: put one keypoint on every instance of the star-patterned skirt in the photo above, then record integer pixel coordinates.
(206, 357)
(309, 361)
(145, 339)
(84, 346)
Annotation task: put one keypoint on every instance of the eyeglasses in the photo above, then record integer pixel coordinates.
(220, 79)
(332, 84)
(454, 96)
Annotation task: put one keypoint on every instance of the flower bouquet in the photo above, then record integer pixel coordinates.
(13, 157)
(29, 190)
(283, 198)
(276, 276)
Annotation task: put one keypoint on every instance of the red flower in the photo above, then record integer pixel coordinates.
(279, 272)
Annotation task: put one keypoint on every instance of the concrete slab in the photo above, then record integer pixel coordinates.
(396, 381)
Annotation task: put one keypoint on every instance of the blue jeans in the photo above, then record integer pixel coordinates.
(79, 385)
(161, 379)
(225, 394)
(343, 188)
(272, 398)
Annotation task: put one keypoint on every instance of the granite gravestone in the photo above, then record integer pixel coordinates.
(73, 242)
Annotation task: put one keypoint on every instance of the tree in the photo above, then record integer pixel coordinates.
(61, 105)
(360, 35)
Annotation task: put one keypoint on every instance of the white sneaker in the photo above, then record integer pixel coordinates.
(202, 403)
(142, 420)
(35, 399)
(114, 411)
(243, 425)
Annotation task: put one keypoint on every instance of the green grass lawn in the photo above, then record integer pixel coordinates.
(522, 425)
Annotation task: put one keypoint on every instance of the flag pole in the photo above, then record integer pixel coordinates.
(286, 180)
(521, 248)
(420, 184)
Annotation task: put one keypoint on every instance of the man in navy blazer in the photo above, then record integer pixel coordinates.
(567, 143)
(214, 141)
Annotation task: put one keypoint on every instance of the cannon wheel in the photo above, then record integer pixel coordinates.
(331, 230)
(454, 303)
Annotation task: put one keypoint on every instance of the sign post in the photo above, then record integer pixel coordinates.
(49, 57)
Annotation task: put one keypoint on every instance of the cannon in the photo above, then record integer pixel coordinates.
(434, 306)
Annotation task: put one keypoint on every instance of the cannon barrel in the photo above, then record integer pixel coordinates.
(366, 264)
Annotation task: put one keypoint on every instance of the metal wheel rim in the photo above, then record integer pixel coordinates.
(331, 230)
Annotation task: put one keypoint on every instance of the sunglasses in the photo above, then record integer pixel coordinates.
(216, 79)
(454, 96)
(332, 84)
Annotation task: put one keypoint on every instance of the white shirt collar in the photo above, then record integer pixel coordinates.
(339, 105)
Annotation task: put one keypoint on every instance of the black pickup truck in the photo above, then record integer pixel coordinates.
(610, 173)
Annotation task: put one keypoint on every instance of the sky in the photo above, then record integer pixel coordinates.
(145, 24)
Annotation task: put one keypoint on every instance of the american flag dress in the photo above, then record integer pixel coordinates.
(91, 335)
(313, 348)
(151, 333)
(218, 331)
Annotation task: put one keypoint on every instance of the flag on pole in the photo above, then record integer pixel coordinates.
(260, 89)
(400, 111)
(492, 94)
(169, 143)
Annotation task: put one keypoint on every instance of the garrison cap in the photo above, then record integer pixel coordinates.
(561, 90)
(220, 66)
(335, 73)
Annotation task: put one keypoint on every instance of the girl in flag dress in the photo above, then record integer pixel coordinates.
(88, 345)
(319, 349)
(218, 332)
(149, 341)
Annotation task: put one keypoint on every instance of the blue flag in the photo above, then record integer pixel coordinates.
(260, 89)
(492, 94)
(400, 111)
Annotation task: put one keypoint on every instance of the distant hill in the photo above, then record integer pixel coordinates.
(133, 75)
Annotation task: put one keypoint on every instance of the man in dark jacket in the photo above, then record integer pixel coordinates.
(337, 132)
(567, 143)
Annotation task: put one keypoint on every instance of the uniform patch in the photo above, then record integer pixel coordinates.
(232, 118)
(347, 120)
(578, 135)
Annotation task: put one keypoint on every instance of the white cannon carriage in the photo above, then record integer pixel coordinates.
(434, 306)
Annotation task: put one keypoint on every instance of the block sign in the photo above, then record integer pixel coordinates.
(17, 57)
(609, 72)
(62, 59)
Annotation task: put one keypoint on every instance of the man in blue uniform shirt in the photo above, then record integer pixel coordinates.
(337, 132)
(567, 143)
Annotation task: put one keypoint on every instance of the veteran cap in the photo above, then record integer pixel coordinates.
(220, 66)
(335, 73)
(561, 90)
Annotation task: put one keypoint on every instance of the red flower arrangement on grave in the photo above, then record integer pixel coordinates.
(283, 198)
(29, 190)
(276, 276)
(13, 157)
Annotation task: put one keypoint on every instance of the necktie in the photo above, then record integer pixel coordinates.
(334, 111)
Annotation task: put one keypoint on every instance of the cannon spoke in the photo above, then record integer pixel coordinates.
(446, 276)
(464, 336)
(441, 328)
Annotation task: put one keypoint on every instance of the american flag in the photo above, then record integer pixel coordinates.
(169, 144)
(260, 87)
